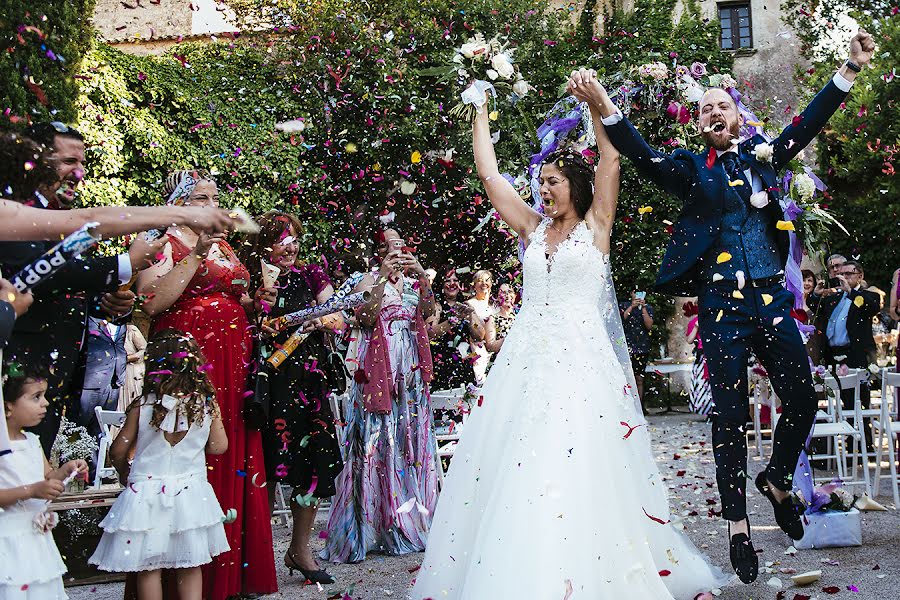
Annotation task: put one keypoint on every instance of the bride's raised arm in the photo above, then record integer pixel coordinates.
(584, 86)
(503, 196)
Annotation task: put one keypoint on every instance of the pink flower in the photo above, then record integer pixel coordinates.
(679, 113)
(698, 70)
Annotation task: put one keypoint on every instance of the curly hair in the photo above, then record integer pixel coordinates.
(176, 367)
(274, 226)
(580, 175)
(24, 167)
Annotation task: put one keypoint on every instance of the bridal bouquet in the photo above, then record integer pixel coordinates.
(804, 215)
(477, 66)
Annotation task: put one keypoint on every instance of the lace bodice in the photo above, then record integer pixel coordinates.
(576, 276)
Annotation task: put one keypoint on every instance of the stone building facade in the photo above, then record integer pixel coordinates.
(152, 26)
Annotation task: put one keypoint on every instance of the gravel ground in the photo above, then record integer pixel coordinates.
(685, 458)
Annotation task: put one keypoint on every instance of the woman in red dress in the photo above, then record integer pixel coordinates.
(200, 287)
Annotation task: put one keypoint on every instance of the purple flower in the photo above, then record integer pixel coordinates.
(681, 70)
(792, 211)
(698, 70)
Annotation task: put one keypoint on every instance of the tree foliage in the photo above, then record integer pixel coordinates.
(42, 46)
(859, 149)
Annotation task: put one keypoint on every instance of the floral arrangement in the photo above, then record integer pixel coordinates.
(72, 442)
(830, 497)
(477, 66)
(803, 213)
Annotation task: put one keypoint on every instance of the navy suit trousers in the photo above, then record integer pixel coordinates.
(731, 328)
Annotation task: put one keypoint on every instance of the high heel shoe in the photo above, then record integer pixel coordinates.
(317, 576)
(743, 556)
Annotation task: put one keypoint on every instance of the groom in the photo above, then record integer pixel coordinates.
(732, 256)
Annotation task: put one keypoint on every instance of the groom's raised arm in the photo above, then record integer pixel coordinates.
(807, 126)
(672, 175)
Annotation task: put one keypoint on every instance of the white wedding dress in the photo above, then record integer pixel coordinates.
(550, 495)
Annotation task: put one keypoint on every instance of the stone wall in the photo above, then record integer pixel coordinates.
(149, 27)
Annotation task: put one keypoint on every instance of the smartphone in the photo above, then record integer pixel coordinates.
(397, 244)
(640, 295)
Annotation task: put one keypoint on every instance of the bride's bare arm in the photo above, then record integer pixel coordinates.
(584, 86)
(503, 196)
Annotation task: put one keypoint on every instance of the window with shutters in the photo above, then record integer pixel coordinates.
(736, 26)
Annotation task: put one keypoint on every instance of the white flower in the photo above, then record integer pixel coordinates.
(492, 74)
(292, 126)
(520, 88)
(503, 65)
(805, 186)
(407, 188)
(654, 70)
(692, 90)
(764, 152)
(728, 82)
(473, 48)
(458, 58)
(759, 199)
(845, 497)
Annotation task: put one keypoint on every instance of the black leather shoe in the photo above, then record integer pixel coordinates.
(743, 556)
(317, 576)
(786, 514)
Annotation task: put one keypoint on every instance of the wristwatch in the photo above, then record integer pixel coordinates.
(853, 66)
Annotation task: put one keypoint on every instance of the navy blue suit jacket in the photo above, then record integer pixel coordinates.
(702, 190)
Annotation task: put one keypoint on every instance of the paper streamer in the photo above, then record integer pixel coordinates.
(332, 305)
(50, 262)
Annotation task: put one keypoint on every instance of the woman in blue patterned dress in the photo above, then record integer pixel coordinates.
(387, 490)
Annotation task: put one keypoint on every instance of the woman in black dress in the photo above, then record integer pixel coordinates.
(301, 447)
(452, 329)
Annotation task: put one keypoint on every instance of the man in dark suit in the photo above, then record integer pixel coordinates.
(52, 331)
(729, 252)
(844, 317)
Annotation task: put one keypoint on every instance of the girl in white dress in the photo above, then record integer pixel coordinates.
(167, 517)
(30, 565)
(553, 492)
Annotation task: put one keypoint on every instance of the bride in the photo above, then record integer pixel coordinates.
(553, 493)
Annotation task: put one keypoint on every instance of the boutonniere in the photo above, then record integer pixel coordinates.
(760, 199)
(764, 152)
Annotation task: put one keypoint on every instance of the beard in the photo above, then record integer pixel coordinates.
(723, 140)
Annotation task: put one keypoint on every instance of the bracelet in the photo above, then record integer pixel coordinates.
(853, 66)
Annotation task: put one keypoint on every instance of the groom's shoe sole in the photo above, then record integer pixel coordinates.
(786, 514)
(743, 557)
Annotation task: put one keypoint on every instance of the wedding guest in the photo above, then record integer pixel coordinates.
(300, 441)
(482, 282)
(845, 317)
(452, 328)
(637, 320)
(152, 529)
(201, 288)
(816, 340)
(387, 490)
(31, 567)
(499, 324)
(701, 400)
(135, 346)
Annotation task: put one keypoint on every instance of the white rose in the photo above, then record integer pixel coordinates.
(805, 186)
(503, 66)
(520, 88)
(492, 74)
(728, 82)
(764, 152)
(407, 188)
(473, 49)
(759, 199)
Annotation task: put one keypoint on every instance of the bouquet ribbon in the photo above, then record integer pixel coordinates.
(476, 94)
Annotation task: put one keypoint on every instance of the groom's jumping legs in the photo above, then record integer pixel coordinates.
(760, 320)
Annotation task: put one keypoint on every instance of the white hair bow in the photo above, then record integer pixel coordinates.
(175, 419)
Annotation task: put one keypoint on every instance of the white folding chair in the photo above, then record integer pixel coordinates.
(106, 419)
(447, 435)
(886, 426)
(763, 395)
(840, 430)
